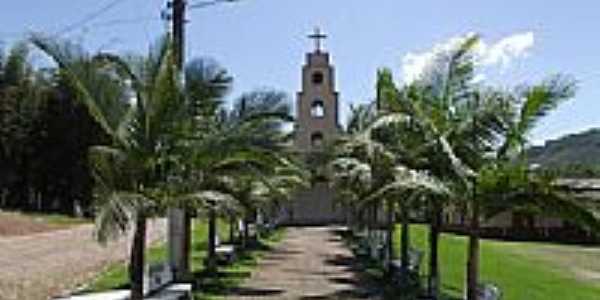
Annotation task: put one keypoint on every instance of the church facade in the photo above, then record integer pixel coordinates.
(317, 125)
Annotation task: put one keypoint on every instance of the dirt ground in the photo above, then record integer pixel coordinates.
(47, 264)
(310, 263)
(14, 224)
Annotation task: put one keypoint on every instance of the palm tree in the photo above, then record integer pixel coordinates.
(465, 122)
(138, 104)
(368, 169)
(413, 143)
(206, 85)
(351, 179)
(265, 188)
(435, 109)
(386, 91)
(355, 157)
(233, 149)
(373, 165)
(513, 186)
(439, 101)
(475, 129)
(409, 140)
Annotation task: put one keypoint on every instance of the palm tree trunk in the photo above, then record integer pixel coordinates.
(434, 235)
(390, 241)
(257, 228)
(349, 209)
(231, 229)
(405, 240)
(246, 232)
(473, 260)
(212, 241)
(136, 265)
(373, 218)
(187, 244)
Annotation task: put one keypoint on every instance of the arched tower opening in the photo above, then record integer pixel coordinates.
(317, 109)
(317, 139)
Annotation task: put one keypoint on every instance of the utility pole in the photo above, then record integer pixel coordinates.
(179, 8)
(179, 233)
(180, 219)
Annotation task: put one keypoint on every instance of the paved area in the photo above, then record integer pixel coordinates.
(310, 263)
(40, 266)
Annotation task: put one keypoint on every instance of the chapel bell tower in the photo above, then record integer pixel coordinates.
(317, 102)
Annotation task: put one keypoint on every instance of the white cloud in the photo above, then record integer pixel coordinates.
(501, 53)
(507, 49)
(413, 64)
(478, 78)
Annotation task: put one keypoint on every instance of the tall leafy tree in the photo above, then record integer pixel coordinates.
(20, 100)
(43, 156)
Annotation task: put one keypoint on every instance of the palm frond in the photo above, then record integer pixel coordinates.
(99, 92)
(115, 213)
(407, 181)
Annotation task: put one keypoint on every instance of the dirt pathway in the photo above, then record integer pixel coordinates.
(43, 265)
(311, 263)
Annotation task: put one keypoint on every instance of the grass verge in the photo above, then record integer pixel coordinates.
(211, 286)
(20, 223)
(533, 271)
(115, 276)
(217, 286)
(59, 220)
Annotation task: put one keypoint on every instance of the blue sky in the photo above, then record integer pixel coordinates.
(262, 42)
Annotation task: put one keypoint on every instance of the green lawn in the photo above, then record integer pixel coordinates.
(216, 287)
(213, 287)
(116, 276)
(59, 219)
(532, 271)
(51, 219)
(15, 223)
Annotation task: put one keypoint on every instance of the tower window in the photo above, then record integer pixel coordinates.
(317, 109)
(317, 78)
(316, 139)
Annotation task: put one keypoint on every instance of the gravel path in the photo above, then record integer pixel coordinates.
(40, 266)
(310, 263)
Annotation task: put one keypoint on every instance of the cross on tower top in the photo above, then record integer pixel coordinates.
(317, 36)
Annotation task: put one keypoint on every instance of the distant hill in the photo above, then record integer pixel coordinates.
(581, 150)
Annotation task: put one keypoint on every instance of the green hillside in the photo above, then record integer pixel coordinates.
(578, 153)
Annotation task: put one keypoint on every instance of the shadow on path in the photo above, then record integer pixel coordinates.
(310, 263)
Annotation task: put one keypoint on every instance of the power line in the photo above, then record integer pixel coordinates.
(89, 17)
(126, 21)
(118, 22)
(202, 4)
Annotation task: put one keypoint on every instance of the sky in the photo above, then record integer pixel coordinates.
(263, 42)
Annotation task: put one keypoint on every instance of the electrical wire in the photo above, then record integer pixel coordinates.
(117, 22)
(202, 4)
(89, 17)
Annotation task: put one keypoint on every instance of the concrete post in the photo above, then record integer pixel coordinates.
(176, 243)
